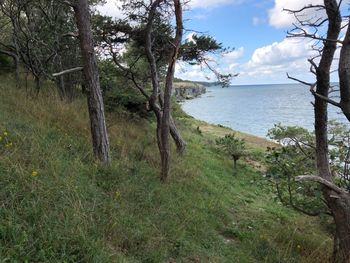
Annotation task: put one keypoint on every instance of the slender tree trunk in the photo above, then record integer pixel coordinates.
(17, 71)
(37, 84)
(165, 127)
(92, 83)
(175, 134)
(339, 204)
(174, 131)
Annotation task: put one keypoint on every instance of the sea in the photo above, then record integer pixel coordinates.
(254, 109)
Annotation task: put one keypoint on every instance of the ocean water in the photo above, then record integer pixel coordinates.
(254, 109)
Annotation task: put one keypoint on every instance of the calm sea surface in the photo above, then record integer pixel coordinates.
(254, 109)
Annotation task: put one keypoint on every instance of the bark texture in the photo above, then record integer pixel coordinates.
(165, 123)
(92, 83)
(339, 204)
(344, 75)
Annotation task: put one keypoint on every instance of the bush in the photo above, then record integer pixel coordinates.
(296, 157)
(233, 146)
(119, 92)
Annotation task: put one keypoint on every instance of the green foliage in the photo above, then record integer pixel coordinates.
(5, 64)
(296, 157)
(118, 92)
(194, 50)
(233, 146)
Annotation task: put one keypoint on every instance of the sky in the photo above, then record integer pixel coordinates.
(257, 31)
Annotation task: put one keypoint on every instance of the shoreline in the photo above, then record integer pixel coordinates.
(220, 131)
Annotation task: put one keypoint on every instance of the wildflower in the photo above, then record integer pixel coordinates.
(117, 195)
(8, 145)
(298, 246)
(35, 173)
(5, 133)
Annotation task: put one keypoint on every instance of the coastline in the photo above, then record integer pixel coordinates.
(220, 131)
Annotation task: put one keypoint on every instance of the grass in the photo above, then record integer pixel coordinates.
(74, 210)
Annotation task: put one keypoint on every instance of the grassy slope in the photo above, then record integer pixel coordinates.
(77, 211)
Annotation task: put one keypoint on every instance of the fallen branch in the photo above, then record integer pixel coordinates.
(67, 71)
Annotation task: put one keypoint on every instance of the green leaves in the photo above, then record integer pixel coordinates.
(232, 145)
(297, 156)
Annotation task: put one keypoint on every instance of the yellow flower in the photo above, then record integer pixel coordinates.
(117, 195)
(35, 173)
(5, 134)
(8, 145)
(298, 246)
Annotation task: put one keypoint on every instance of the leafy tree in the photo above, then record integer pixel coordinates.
(232, 146)
(40, 37)
(295, 156)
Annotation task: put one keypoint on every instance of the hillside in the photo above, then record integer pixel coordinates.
(58, 205)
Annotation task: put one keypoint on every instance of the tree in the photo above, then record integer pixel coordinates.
(149, 17)
(92, 83)
(114, 36)
(153, 46)
(337, 198)
(233, 146)
(39, 36)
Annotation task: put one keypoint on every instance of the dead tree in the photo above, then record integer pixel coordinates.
(92, 83)
(337, 198)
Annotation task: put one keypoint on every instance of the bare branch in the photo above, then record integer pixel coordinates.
(330, 101)
(67, 71)
(71, 34)
(300, 81)
(304, 8)
(322, 181)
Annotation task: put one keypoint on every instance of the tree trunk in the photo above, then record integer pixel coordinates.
(174, 131)
(165, 127)
(175, 134)
(37, 84)
(339, 204)
(92, 83)
(344, 75)
(340, 207)
(17, 71)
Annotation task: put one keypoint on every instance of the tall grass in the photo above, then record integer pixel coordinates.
(73, 210)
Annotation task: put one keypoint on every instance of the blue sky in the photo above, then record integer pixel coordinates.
(256, 29)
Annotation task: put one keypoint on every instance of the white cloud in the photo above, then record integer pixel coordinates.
(233, 55)
(211, 3)
(269, 64)
(111, 8)
(280, 19)
(281, 52)
(195, 73)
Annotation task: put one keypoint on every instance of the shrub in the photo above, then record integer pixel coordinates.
(233, 146)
